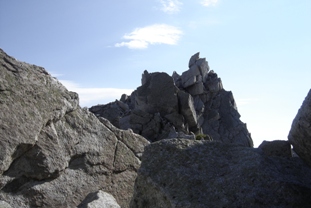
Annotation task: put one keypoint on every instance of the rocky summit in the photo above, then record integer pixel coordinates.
(179, 106)
(176, 141)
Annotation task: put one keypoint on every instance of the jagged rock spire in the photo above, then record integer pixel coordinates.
(192, 102)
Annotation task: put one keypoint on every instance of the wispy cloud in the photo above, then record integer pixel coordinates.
(208, 3)
(170, 6)
(141, 38)
(93, 96)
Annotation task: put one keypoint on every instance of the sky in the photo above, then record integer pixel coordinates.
(261, 49)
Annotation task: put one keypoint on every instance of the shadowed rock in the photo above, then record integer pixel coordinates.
(300, 132)
(277, 148)
(189, 173)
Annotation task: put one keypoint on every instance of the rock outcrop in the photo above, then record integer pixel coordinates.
(300, 132)
(53, 153)
(190, 173)
(167, 106)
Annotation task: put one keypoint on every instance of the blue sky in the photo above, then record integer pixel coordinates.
(261, 49)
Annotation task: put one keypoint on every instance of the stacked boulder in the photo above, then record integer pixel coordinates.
(179, 106)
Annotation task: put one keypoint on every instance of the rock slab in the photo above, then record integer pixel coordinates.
(189, 173)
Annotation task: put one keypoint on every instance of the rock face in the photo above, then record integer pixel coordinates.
(167, 106)
(189, 173)
(300, 132)
(53, 153)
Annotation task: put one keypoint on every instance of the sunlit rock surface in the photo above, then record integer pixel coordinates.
(53, 153)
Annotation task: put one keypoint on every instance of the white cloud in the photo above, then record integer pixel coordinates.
(93, 96)
(209, 2)
(170, 6)
(141, 38)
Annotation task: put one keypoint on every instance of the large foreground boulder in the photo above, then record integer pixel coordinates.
(189, 173)
(53, 153)
(192, 103)
(300, 132)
